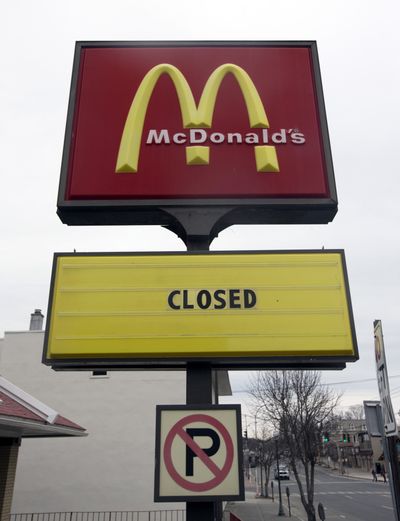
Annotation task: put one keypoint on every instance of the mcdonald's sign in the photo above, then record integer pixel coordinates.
(156, 127)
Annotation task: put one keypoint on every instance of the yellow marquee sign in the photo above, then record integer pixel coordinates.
(232, 309)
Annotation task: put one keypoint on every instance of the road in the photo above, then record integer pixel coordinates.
(344, 498)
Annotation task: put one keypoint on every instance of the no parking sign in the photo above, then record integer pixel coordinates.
(198, 453)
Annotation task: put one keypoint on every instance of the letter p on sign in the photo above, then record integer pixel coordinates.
(197, 453)
(191, 454)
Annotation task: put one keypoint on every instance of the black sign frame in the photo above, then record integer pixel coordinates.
(198, 217)
(239, 443)
(181, 363)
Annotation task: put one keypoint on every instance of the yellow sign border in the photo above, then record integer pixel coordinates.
(197, 334)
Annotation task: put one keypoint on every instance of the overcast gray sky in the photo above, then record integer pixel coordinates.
(359, 49)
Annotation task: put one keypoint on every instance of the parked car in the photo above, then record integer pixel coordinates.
(282, 472)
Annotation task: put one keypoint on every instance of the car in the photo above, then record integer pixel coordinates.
(282, 473)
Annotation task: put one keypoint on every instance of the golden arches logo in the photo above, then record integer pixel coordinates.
(193, 116)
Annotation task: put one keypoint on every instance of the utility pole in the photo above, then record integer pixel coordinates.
(261, 467)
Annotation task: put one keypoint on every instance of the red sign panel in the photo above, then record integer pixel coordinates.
(161, 125)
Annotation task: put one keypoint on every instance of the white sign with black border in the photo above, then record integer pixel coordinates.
(198, 453)
(389, 418)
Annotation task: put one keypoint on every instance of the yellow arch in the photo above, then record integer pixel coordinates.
(192, 117)
(128, 155)
(254, 105)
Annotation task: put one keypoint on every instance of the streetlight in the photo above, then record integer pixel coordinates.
(261, 461)
(280, 511)
(259, 458)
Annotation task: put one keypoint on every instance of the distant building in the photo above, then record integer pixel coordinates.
(373, 411)
(348, 444)
(113, 467)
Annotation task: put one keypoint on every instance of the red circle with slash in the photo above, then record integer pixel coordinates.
(219, 473)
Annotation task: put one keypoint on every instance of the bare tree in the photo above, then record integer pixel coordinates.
(354, 412)
(267, 457)
(263, 451)
(297, 406)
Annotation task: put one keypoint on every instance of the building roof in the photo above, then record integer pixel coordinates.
(352, 424)
(23, 416)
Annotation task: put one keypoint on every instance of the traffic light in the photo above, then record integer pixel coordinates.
(245, 434)
(325, 437)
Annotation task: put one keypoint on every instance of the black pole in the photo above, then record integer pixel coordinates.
(261, 469)
(321, 511)
(281, 512)
(288, 501)
(199, 390)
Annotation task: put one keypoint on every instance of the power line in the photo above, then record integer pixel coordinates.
(344, 382)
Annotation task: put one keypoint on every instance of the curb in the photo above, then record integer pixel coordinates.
(335, 472)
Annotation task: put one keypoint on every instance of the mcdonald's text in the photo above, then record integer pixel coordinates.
(197, 136)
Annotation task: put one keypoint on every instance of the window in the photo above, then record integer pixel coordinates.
(99, 373)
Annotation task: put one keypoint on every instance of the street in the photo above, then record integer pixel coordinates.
(344, 497)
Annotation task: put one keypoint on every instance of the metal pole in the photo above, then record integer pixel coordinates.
(321, 511)
(288, 501)
(339, 453)
(199, 390)
(281, 512)
(261, 476)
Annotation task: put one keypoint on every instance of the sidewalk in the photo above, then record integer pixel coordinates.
(354, 473)
(258, 509)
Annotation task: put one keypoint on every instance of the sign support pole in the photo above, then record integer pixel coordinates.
(386, 419)
(391, 463)
(199, 390)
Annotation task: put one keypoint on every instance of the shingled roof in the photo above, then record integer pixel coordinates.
(23, 416)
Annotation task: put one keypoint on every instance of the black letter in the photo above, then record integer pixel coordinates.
(234, 296)
(218, 297)
(171, 299)
(200, 303)
(250, 298)
(186, 304)
(190, 455)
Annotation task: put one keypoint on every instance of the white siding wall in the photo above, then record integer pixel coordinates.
(111, 469)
